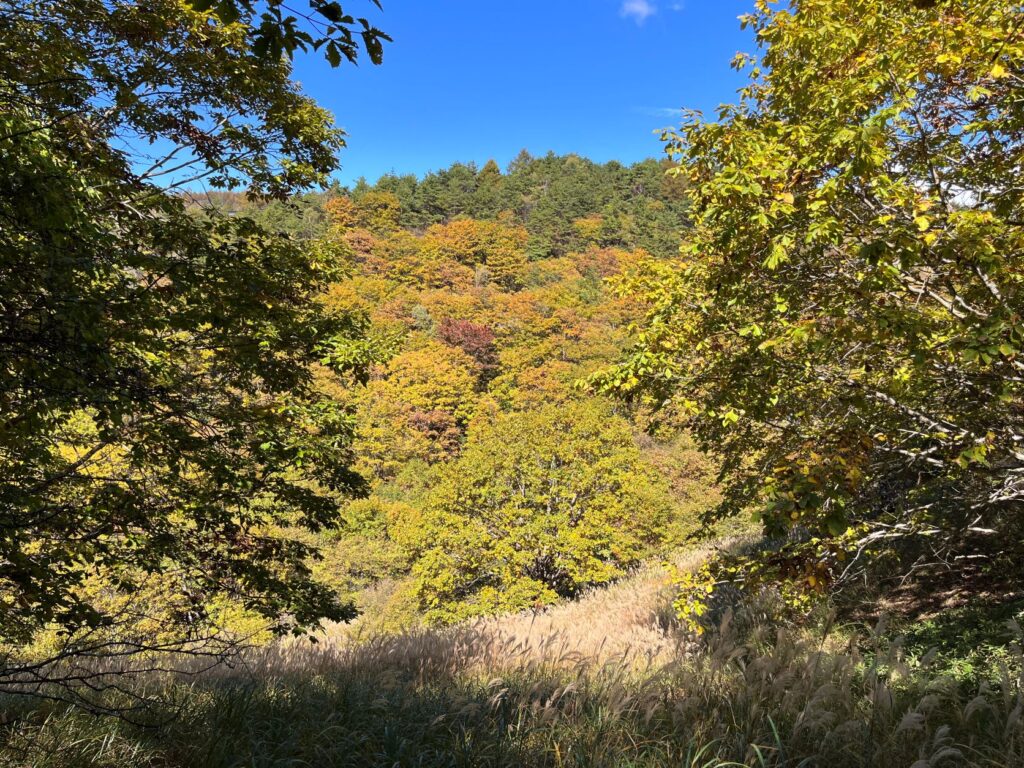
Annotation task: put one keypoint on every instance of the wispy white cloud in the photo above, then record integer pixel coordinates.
(660, 111)
(638, 10)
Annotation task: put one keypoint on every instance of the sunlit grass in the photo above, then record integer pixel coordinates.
(608, 680)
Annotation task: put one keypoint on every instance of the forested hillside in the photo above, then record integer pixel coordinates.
(497, 482)
(565, 203)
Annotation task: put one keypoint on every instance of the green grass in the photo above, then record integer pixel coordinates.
(972, 641)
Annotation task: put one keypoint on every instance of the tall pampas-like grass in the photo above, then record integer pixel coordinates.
(608, 680)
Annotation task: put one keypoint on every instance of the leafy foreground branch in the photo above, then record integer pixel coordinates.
(161, 437)
(607, 680)
(843, 323)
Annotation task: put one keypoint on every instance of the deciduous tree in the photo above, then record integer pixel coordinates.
(157, 413)
(539, 505)
(843, 324)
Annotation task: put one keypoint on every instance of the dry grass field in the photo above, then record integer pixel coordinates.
(608, 680)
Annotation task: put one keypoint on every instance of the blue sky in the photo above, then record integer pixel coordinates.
(472, 80)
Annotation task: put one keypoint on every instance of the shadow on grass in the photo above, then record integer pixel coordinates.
(464, 698)
(348, 719)
(972, 640)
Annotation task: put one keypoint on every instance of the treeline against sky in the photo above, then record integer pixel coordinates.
(624, 205)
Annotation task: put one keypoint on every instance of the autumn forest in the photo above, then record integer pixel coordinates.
(707, 459)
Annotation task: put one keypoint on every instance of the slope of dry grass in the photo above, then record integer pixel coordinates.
(608, 680)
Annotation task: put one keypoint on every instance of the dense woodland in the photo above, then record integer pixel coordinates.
(710, 460)
(496, 481)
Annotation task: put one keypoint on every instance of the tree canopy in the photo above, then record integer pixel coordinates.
(481, 342)
(843, 322)
(157, 408)
(539, 505)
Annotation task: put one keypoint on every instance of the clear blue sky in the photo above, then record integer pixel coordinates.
(472, 80)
